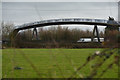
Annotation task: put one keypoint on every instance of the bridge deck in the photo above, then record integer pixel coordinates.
(43, 23)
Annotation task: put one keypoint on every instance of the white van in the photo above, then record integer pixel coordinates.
(89, 40)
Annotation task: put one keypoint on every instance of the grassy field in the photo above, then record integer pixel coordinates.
(50, 63)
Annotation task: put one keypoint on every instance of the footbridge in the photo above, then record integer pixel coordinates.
(96, 22)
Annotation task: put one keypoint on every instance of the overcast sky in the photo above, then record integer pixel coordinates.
(59, 0)
(24, 12)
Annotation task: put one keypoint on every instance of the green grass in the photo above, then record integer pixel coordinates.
(50, 63)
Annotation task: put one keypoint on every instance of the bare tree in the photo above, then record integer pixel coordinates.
(7, 28)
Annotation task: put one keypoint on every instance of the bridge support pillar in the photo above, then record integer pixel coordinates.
(95, 35)
(35, 34)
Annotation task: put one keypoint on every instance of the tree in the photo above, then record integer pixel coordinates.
(7, 28)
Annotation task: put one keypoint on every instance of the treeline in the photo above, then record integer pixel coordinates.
(53, 37)
(58, 34)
